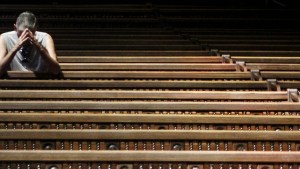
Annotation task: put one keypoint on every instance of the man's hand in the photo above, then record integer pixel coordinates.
(24, 38)
(32, 39)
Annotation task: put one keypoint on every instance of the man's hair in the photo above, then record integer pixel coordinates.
(26, 20)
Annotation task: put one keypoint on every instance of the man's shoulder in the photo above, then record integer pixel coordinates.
(39, 33)
(10, 33)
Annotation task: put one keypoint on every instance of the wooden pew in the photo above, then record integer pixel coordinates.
(279, 75)
(273, 66)
(138, 118)
(144, 95)
(152, 67)
(267, 59)
(139, 59)
(137, 84)
(165, 156)
(134, 53)
(138, 105)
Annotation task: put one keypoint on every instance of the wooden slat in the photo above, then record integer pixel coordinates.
(126, 47)
(97, 105)
(276, 67)
(289, 84)
(148, 66)
(140, 59)
(265, 59)
(261, 52)
(130, 41)
(280, 74)
(113, 36)
(147, 118)
(42, 134)
(150, 156)
(133, 52)
(137, 74)
(137, 84)
(182, 95)
(255, 47)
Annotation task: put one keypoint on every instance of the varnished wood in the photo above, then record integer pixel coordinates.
(182, 95)
(136, 74)
(133, 52)
(261, 52)
(289, 84)
(280, 74)
(140, 59)
(44, 134)
(147, 118)
(266, 59)
(163, 84)
(150, 156)
(126, 47)
(276, 67)
(138, 105)
(148, 66)
(156, 75)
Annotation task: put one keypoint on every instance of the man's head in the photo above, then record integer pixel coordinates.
(26, 20)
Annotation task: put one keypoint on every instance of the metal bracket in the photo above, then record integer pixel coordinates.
(255, 75)
(241, 66)
(293, 95)
(273, 85)
(226, 58)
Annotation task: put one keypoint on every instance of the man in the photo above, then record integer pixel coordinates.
(26, 49)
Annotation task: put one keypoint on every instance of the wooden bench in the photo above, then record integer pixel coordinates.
(137, 84)
(279, 75)
(138, 105)
(152, 67)
(267, 59)
(134, 53)
(146, 95)
(139, 59)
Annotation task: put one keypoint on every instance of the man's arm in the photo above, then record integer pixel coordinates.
(48, 53)
(7, 56)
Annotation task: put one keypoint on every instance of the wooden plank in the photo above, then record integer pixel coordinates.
(273, 47)
(135, 74)
(114, 36)
(266, 59)
(181, 95)
(276, 67)
(280, 74)
(140, 59)
(147, 118)
(133, 52)
(148, 66)
(261, 53)
(150, 156)
(162, 84)
(130, 41)
(126, 47)
(97, 105)
(91, 134)
(289, 84)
